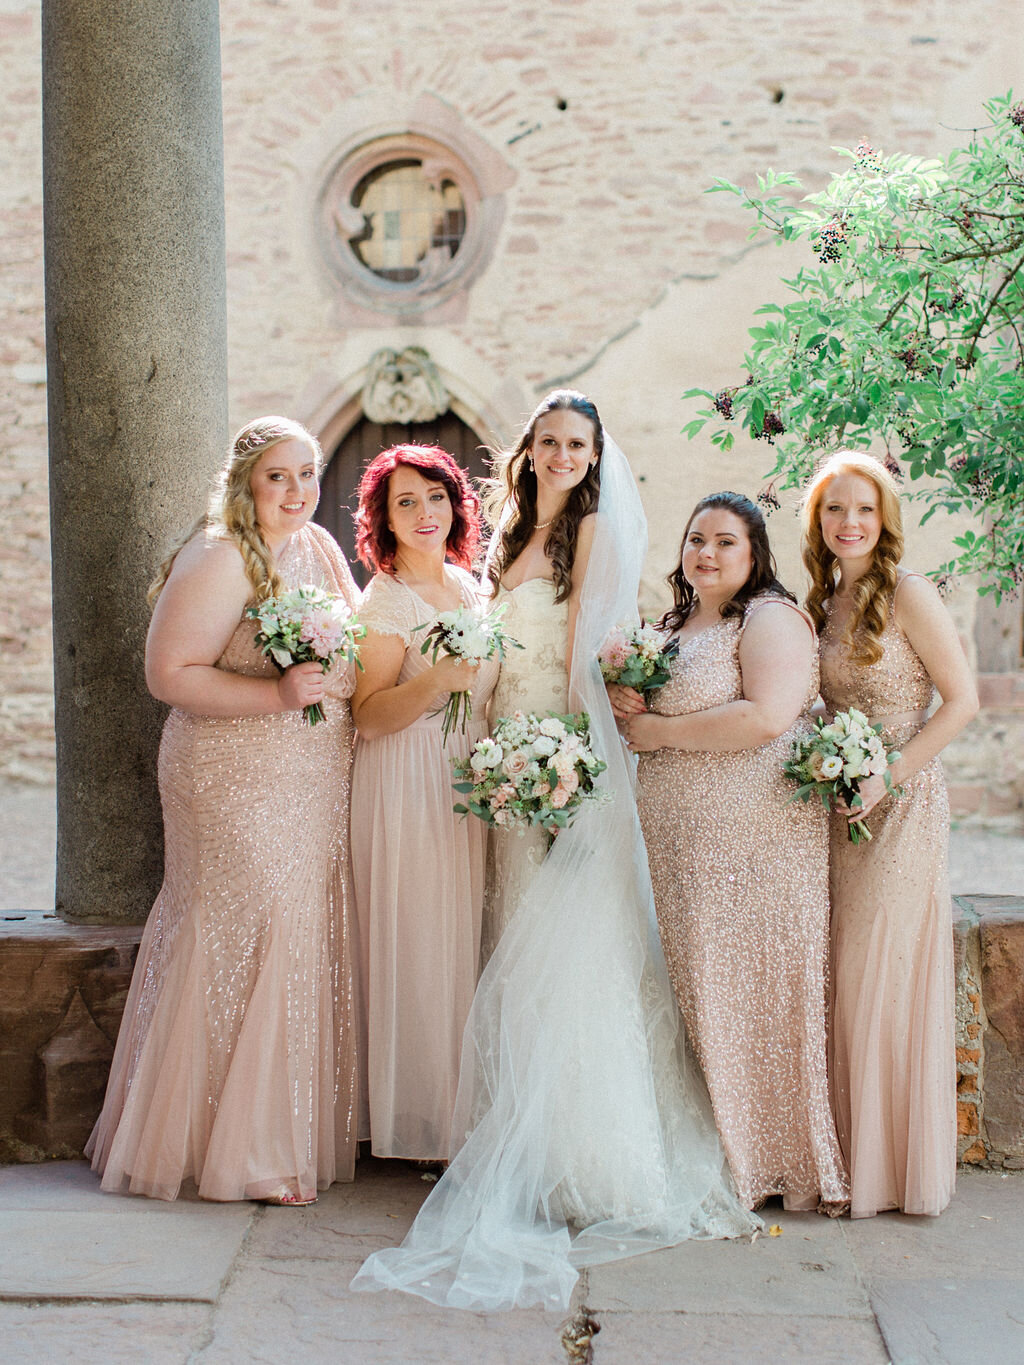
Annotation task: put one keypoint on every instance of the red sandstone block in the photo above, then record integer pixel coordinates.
(974, 1154)
(966, 1119)
(968, 1054)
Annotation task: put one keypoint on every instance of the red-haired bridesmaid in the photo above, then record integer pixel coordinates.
(887, 645)
(418, 867)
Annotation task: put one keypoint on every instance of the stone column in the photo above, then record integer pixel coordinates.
(137, 375)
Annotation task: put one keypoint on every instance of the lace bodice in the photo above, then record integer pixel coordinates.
(896, 684)
(533, 678)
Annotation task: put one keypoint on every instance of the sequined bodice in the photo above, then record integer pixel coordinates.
(533, 678)
(311, 556)
(896, 684)
(706, 671)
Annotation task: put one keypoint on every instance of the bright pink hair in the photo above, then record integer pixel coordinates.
(376, 544)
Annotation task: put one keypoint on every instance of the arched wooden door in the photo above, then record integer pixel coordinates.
(339, 486)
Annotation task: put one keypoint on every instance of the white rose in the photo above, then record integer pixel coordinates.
(552, 726)
(544, 746)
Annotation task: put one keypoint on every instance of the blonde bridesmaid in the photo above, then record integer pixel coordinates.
(418, 867)
(236, 1063)
(887, 645)
(740, 873)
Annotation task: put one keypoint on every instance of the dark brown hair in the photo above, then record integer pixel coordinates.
(763, 576)
(512, 496)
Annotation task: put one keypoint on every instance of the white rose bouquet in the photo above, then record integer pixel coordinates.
(636, 656)
(832, 759)
(307, 625)
(531, 771)
(471, 635)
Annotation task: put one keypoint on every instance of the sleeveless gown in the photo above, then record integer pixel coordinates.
(740, 880)
(583, 1133)
(236, 1063)
(418, 870)
(892, 1047)
(532, 679)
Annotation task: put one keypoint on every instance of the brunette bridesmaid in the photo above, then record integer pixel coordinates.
(740, 873)
(236, 1064)
(418, 867)
(887, 645)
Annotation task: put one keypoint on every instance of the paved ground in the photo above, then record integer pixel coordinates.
(101, 1279)
(981, 863)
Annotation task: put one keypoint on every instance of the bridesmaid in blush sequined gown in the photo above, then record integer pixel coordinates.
(236, 1062)
(740, 873)
(887, 643)
(418, 867)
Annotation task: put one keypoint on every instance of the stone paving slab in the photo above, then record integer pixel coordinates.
(102, 1333)
(61, 1237)
(733, 1339)
(806, 1267)
(286, 1309)
(116, 1256)
(951, 1320)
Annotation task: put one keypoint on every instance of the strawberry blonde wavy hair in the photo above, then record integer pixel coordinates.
(873, 593)
(231, 514)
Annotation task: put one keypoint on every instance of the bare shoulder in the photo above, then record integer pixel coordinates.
(770, 618)
(917, 598)
(210, 558)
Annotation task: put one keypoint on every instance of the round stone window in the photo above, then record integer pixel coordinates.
(402, 223)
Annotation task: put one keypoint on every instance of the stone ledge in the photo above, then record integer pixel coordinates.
(989, 940)
(62, 993)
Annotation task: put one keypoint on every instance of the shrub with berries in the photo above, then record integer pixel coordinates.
(903, 332)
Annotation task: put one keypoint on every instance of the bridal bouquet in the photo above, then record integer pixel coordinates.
(833, 758)
(307, 625)
(636, 656)
(468, 635)
(531, 771)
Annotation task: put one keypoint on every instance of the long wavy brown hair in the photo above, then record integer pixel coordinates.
(763, 576)
(873, 592)
(232, 513)
(511, 496)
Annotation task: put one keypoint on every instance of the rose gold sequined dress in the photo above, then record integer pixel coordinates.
(419, 878)
(741, 891)
(532, 679)
(892, 1044)
(236, 1062)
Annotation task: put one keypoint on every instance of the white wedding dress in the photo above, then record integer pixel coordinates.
(586, 1130)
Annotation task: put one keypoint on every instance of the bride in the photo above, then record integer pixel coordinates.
(586, 1131)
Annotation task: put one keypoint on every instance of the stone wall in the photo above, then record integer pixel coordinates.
(989, 938)
(604, 123)
(26, 689)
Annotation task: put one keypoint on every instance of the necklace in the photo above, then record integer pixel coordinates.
(543, 525)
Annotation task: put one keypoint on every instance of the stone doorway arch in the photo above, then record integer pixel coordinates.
(364, 440)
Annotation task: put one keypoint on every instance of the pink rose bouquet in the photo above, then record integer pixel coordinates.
(307, 625)
(636, 656)
(531, 771)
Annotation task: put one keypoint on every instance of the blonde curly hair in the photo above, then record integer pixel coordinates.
(873, 594)
(231, 513)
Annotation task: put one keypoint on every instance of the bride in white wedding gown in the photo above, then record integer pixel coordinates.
(586, 1133)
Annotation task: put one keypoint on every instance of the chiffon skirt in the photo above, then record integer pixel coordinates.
(892, 1048)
